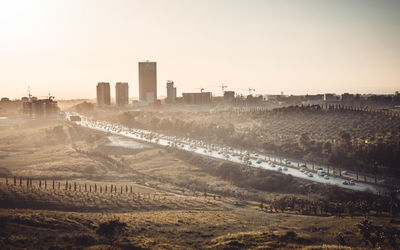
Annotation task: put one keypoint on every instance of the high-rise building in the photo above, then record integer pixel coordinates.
(122, 93)
(103, 93)
(171, 91)
(148, 81)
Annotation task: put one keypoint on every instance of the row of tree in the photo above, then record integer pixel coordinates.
(379, 156)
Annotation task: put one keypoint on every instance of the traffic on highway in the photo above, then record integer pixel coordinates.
(251, 159)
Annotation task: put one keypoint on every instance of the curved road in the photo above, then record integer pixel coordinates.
(229, 154)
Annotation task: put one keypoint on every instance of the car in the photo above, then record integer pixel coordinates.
(351, 182)
(302, 170)
(259, 162)
(273, 165)
(345, 183)
(326, 177)
(344, 172)
(285, 169)
(310, 175)
(280, 169)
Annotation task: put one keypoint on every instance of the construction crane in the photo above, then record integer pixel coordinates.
(222, 87)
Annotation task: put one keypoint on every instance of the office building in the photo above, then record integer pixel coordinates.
(103, 93)
(171, 92)
(148, 81)
(197, 98)
(229, 96)
(121, 93)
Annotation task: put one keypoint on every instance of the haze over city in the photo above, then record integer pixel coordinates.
(298, 47)
(207, 124)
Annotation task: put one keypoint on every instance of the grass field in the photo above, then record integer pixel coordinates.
(169, 199)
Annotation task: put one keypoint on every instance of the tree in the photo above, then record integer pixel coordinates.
(304, 141)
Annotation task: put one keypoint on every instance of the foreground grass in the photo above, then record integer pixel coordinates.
(183, 229)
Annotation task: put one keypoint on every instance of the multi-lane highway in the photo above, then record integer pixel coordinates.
(252, 159)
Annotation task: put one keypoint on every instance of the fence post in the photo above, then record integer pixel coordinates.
(95, 188)
(85, 188)
(45, 184)
(53, 184)
(20, 181)
(40, 183)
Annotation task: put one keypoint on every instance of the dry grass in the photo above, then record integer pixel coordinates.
(171, 213)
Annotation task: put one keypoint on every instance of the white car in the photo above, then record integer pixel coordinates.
(326, 177)
(310, 175)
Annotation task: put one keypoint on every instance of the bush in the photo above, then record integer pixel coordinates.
(111, 229)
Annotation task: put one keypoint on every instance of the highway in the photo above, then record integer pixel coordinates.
(252, 159)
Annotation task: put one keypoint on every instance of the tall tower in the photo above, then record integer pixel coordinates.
(171, 91)
(103, 93)
(122, 93)
(148, 81)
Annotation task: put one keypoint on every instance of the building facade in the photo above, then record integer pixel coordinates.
(171, 92)
(197, 98)
(103, 93)
(229, 96)
(148, 81)
(121, 94)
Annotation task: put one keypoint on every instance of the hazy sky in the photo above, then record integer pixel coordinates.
(299, 47)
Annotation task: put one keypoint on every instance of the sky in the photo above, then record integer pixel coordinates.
(64, 47)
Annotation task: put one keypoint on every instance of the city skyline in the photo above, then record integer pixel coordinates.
(298, 47)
